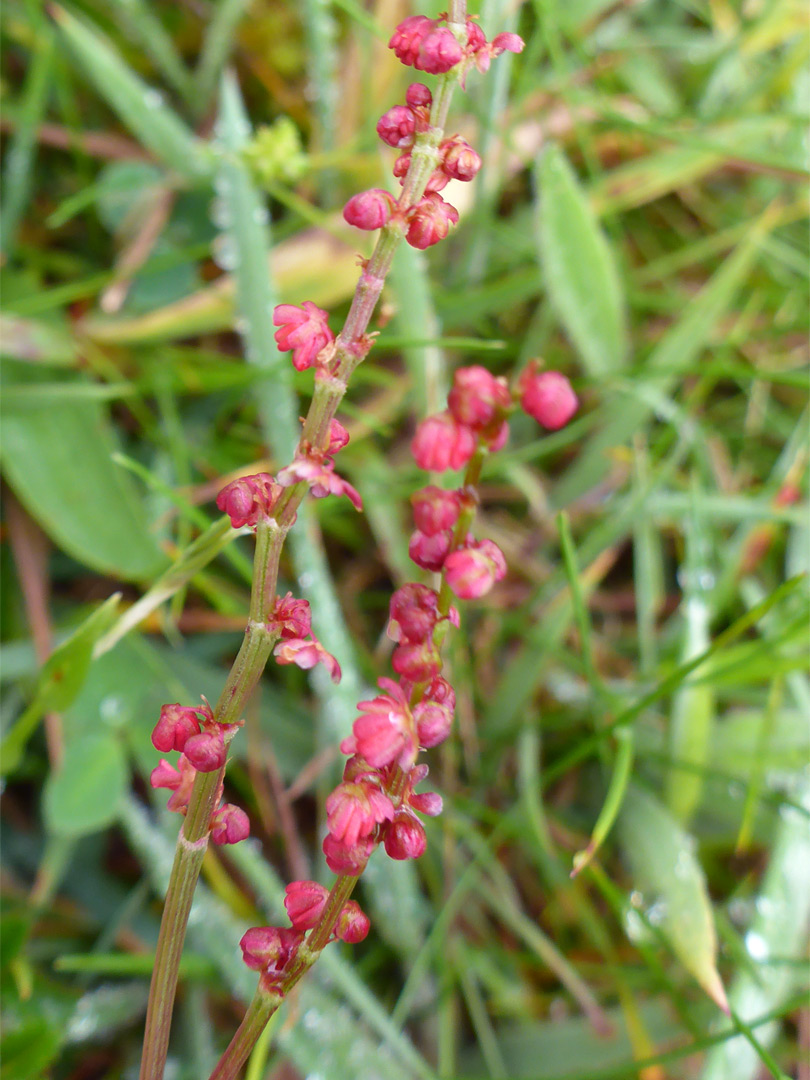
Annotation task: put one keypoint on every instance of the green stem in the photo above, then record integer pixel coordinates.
(192, 841)
(264, 1004)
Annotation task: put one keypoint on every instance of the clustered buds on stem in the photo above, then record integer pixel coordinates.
(202, 743)
(376, 802)
(429, 46)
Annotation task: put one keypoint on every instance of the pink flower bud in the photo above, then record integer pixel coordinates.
(269, 948)
(164, 775)
(483, 53)
(248, 499)
(429, 221)
(507, 43)
(548, 397)
(414, 613)
(384, 732)
(429, 552)
(352, 925)
(353, 810)
(206, 751)
(405, 837)
(428, 803)
(321, 477)
(401, 165)
(442, 443)
(473, 571)
(179, 781)
(397, 127)
(435, 509)
(442, 693)
(306, 654)
(433, 723)
(459, 160)
(498, 440)
(338, 438)
(291, 617)
(438, 52)
(476, 38)
(408, 37)
(418, 96)
(229, 825)
(369, 209)
(416, 662)
(305, 901)
(303, 329)
(342, 859)
(477, 398)
(176, 724)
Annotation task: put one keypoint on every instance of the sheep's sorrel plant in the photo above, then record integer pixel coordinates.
(376, 803)
(224, 437)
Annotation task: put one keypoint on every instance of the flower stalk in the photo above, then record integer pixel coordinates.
(376, 803)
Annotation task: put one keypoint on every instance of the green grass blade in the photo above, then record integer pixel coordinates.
(778, 928)
(247, 239)
(579, 268)
(693, 706)
(20, 153)
(675, 353)
(139, 106)
(217, 47)
(667, 873)
(148, 29)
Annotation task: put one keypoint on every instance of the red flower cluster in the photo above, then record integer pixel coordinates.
(248, 499)
(426, 45)
(202, 742)
(271, 949)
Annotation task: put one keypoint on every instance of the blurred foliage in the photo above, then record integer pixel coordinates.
(640, 222)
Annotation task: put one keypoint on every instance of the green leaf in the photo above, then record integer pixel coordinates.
(146, 27)
(666, 872)
(677, 350)
(693, 707)
(21, 153)
(140, 107)
(85, 793)
(580, 271)
(29, 1050)
(60, 680)
(247, 234)
(38, 342)
(58, 460)
(776, 942)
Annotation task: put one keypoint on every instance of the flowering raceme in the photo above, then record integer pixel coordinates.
(375, 804)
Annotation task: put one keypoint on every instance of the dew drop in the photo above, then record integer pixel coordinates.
(220, 213)
(757, 946)
(224, 253)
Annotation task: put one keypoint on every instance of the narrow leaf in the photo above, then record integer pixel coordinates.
(667, 873)
(139, 106)
(580, 271)
(20, 154)
(60, 680)
(677, 350)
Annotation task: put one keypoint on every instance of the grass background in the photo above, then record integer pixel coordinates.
(173, 170)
